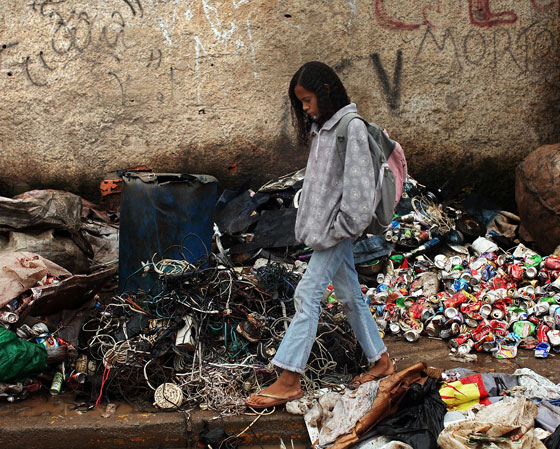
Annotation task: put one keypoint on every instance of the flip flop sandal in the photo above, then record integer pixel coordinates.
(368, 377)
(279, 400)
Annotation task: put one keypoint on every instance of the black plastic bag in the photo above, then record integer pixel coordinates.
(216, 438)
(553, 441)
(419, 419)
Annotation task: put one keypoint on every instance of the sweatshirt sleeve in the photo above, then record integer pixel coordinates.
(358, 190)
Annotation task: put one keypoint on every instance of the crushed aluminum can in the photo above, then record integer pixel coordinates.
(411, 335)
(466, 347)
(442, 262)
(542, 332)
(455, 328)
(459, 340)
(450, 313)
(9, 317)
(40, 329)
(471, 322)
(524, 328)
(394, 328)
(556, 316)
(476, 277)
(433, 328)
(541, 308)
(497, 314)
(552, 263)
(381, 324)
(554, 337)
(456, 260)
(505, 351)
(498, 327)
(531, 272)
(427, 313)
(489, 298)
(542, 350)
(516, 272)
(527, 292)
(485, 310)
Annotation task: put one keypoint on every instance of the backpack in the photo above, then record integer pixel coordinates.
(390, 165)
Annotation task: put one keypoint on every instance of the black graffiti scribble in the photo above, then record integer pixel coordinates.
(391, 93)
(440, 46)
(140, 8)
(29, 77)
(70, 33)
(155, 57)
(112, 43)
(120, 85)
(42, 58)
(42, 5)
(6, 46)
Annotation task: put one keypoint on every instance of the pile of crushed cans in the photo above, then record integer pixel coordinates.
(491, 300)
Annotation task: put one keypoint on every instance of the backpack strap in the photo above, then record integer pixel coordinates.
(342, 132)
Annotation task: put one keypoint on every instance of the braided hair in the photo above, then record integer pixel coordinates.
(320, 79)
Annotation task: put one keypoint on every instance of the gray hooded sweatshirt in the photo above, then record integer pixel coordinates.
(337, 199)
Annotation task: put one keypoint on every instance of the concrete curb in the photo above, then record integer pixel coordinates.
(142, 430)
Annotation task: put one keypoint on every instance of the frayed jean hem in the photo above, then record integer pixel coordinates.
(288, 367)
(373, 361)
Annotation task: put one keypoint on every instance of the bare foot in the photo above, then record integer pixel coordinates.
(382, 368)
(286, 386)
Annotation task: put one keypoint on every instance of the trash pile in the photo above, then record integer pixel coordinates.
(424, 407)
(204, 332)
(488, 300)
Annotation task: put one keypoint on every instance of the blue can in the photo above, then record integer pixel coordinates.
(461, 284)
(382, 288)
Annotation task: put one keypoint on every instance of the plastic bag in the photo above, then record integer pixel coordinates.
(419, 419)
(553, 441)
(18, 357)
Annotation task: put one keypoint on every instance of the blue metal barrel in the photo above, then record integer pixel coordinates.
(167, 215)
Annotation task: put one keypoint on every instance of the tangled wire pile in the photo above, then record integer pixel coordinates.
(211, 331)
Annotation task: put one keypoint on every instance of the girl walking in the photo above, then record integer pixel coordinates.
(335, 208)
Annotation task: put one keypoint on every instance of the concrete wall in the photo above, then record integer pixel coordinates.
(469, 87)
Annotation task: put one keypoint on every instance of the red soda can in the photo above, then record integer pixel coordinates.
(498, 327)
(456, 300)
(541, 333)
(515, 271)
(483, 344)
(501, 305)
(552, 263)
(416, 311)
(497, 282)
(470, 307)
(543, 275)
(459, 340)
(480, 332)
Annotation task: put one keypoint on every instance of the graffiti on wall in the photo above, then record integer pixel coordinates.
(521, 49)
(488, 42)
(480, 13)
(104, 41)
(83, 33)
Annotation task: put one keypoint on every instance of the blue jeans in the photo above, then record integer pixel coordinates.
(336, 265)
